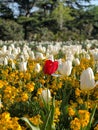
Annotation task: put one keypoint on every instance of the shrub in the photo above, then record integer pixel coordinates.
(10, 30)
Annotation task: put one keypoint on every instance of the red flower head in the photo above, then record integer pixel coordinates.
(50, 67)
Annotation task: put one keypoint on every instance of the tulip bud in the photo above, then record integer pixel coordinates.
(42, 49)
(46, 95)
(1, 104)
(50, 67)
(4, 49)
(95, 55)
(76, 61)
(13, 64)
(23, 66)
(87, 81)
(37, 67)
(32, 56)
(51, 57)
(5, 61)
(65, 68)
(39, 56)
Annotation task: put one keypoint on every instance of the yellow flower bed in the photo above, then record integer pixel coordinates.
(20, 97)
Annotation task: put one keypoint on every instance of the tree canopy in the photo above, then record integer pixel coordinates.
(61, 19)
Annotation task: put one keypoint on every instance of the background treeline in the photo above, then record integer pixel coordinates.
(52, 20)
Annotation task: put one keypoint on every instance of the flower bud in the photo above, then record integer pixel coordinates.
(50, 67)
(76, 62)
(37, 67)
(23, 66)
(87, 81)
(65, 68)
(46, 95)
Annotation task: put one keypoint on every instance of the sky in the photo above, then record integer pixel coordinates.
(95, 2)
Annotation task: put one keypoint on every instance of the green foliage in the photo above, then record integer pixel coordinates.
(24, 19)
(48, 111)
(46, 34)
(32, 126)
(10, 30)
(62, 14)
(55, 20)
(94, 11)
(6, 11)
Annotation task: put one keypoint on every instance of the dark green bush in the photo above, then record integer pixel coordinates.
(10, 30)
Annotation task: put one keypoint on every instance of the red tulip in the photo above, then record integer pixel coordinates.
(50, 67)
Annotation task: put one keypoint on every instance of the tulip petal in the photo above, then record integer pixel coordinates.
(50, 67)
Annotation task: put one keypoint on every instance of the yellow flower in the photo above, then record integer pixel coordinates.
(39, 91)
(8, 123)
(80, 100)
(1, 84)
(74, 104)
(96, 76)
(27, 76)
(24, 96)
(84, 117)
(77, 92)
(6, 116)
(71, 111)
(75, 124)
(21, 75)
(30, 86)
(14, 124)
(96, 127)
(56, 114)
(42, 81)
(36, 120)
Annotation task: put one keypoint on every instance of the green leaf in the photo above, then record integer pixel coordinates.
(49, 121)
(91, 117)
(33, 127)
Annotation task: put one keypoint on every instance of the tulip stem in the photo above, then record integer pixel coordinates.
(88, 94)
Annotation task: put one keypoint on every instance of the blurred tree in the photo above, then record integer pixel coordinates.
(5, 11)
(25, 10)
(10, 30)
(61, 14)
(94, 12)
(37, 14)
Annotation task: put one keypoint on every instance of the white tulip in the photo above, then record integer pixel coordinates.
(15, 52)
(23, 66)
(42, 49)
(4, 49)
(51, 57)
(1, 60)
(95, 55)
(69, 56)
(88, 46)
(39, 56)
(87, 81)
(37, 68)
(1, 104)
(96, 84)
(31, 54)
(87, 56)
(5, 61)
(76, 62)
(13, 64)
(12, 46)
(46, 95)
(53, 49)
(65, 68)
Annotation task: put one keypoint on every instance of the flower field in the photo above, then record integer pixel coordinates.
(49, 85)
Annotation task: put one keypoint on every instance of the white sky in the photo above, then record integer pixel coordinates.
(95, 2)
